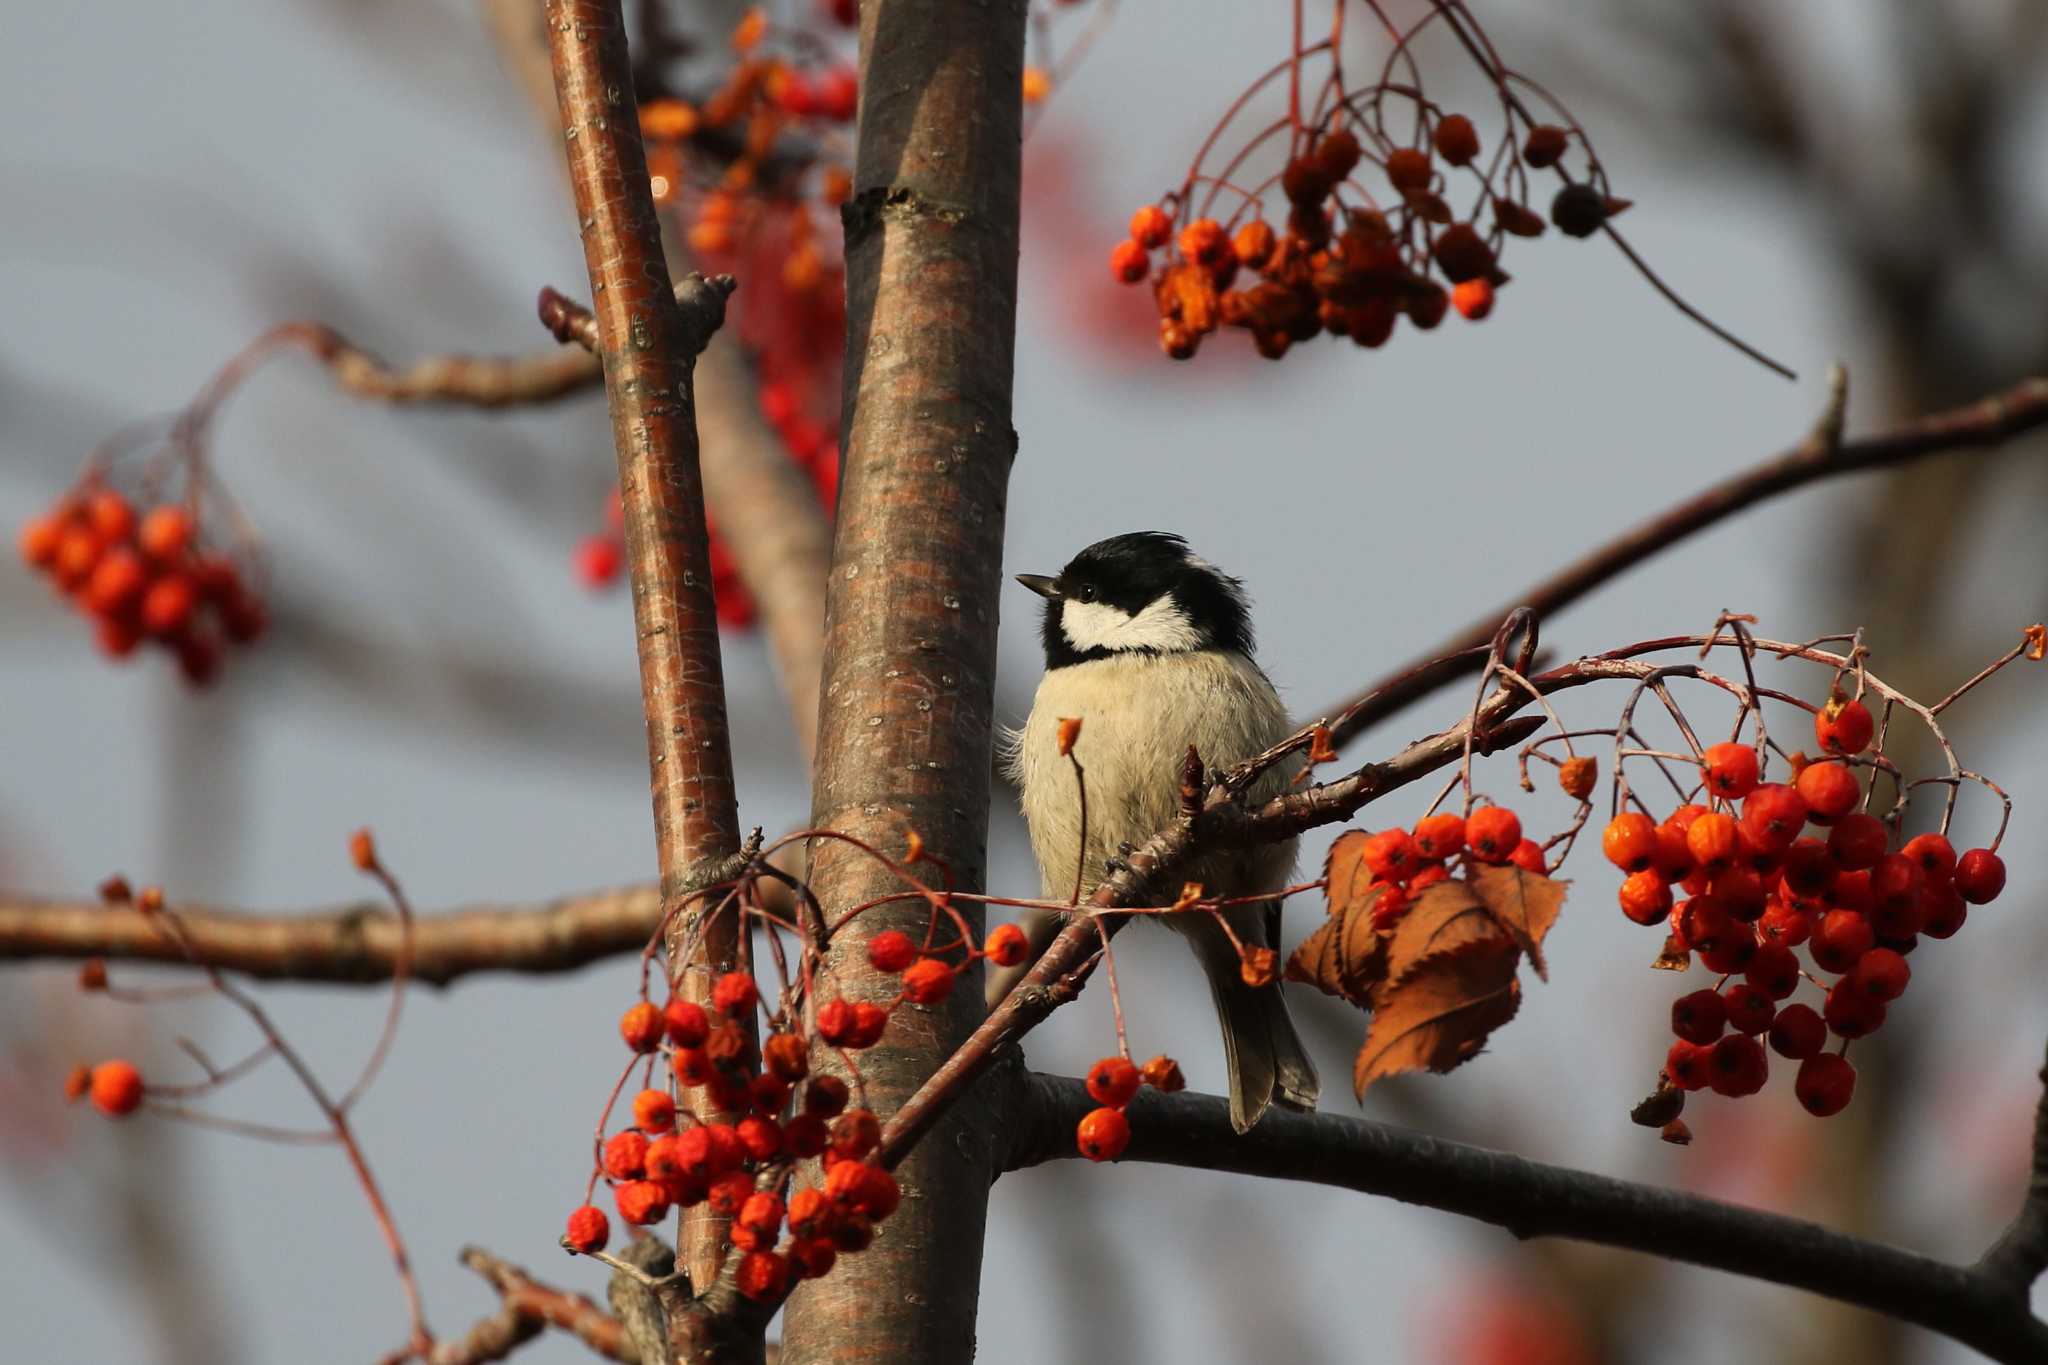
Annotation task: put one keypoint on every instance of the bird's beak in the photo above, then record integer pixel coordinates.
(1045, 587)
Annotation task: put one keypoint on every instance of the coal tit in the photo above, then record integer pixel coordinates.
(1151, 647)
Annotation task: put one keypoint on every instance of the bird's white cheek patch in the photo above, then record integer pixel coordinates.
(1161, 626)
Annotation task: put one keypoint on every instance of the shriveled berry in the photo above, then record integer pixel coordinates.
(870, 1021)
(1645, 897)
(812, 1258)
(1253, 244)
(1824, 1084)
(1731, 770)
(927, 982)
(1005, 945)
(690, 1066)
(1577, 776)
(728, 1192)
(838, 1024)
(1162, 1073)
(640, 1026)
(1112, 1081)
(1408, 168)
(625, 1155)
(1337, 154)
(1493, 833)
(760, 1135)
(588, 1229)
(735, 993)
(1578, 210)
(1103, 1134)
(1462, 254)
(1980, 876)
(1204, 243)
(864, 1188)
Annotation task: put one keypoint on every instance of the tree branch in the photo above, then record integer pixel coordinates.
(2020, 1254)
(352, 944)
(528, 1308)
(1532, 1199)
(1982, 425)
(649, 337)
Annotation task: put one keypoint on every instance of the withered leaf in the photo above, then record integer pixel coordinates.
(1345, 956)
(1524, 903)
(1665, 1103)
(1439, 1014)
(1676, 957)
(1345, 870)
(1676, 1133)
(1441, 919)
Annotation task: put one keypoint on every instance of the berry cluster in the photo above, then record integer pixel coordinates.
(1113, 1083)
(1404, 863)
(1767, 868)
(150, 576)
(763, 1113)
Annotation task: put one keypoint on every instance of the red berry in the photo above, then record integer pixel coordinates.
(1841, 937)
(690, 1066)
(1528, 856)
(838, 1025)
(870, 1021)
(1492, 833)
(1711, 838)
(1473, 298)
(1851, 1013)
(1128, 263)
(1686, 1064)
(165, 532)
(167, 604)
(1750, 1009)
(763, 1276)
(1674, 854)
(1408, 168)
(641, 1201)
(640, 1026)
(1731, 770)
(1824, 1084)
(110, 515)
(825, 1096)
(1943, 911)
(1844, 727)
(39, 541)
(1786, 925)
(1980, 876)
(1112, 1081)
(116, 1088)
(588, 1229)
(1700, 1017)
(1103, 1134)
(735, 993)
(864, 1188)
(1630, 841)
(1774, 970)
(1798, 1032)
(1857, 841)
(116, 580)
(1005, 945)
(1881, 974)
(1705, 924)
(1808, 869)
(654, 1111)
(1737, 1066)
(787, 1056)
(78, 554)
(839, 94)
(1456, 140)
(1545, 145)
(1150, 227)
(625, 1155)
(760, 1136)
(855, 1133)
(891, 951)
(1440, 836)
(1773, 815)
(1829, 789)
(1645, 898)
(1732, 955)
(812, 1258)
(806, 1135)
(688, 1025)
(927, 982)
(598, 560)
(1935, 855)
(1897, 882)
(1391, 854)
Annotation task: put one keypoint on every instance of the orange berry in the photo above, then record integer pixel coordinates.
(891, 951)
(1528, 856)
(1128, 263)
(1645, 897)
(1112, 1081)
(1457, 141)
(1037, 84)
(168, 604)
(927, 982)
(1630, 841)
(1254, 244)
(812, 1258)
(863, 1188)
(78, 554)
(1337, 155)
(1773, 816)
(1731, 770)
(1844, 727)
(735, 993)
(640, 1026)
(1150, 227)
(1005, 945)
(39, 541)
(110, 515)
(588, 1229)
(760, 1135)
(687, 1023)
(165, 532)
(1829, 789)
(362, 850)
(855, 1133)
(654, 1111)
(787, 1056)
(763, 1276)
(116, 580)
(1493, 833)
(1473, 299)
(1935, 854)
(1711, 840)
(1203, 242)
(1390, 854)
(1440, 836)
(116, 1088)
(625, 1155)
(1103, 1134)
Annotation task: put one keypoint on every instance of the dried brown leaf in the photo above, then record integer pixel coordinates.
(1440, 1013)
(1443, 918)
(1345, 870)
(1524, 903)
(1345, 956)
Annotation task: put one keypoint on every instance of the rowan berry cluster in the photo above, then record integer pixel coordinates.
(1405, 863)
(1362, 231)
(1767, 868)
(1113, 1083)
(152, 576)
(764, 1110)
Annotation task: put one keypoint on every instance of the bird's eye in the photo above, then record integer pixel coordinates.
(1086, 592)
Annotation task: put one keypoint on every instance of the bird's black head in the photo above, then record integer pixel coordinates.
(1141, 593)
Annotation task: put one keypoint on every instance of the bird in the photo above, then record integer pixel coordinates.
(1150, 647)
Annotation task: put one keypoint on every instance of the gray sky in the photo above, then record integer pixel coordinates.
(183, 176)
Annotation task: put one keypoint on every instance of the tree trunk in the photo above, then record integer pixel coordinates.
(905, 720)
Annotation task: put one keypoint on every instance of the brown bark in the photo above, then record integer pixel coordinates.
(648, 340)
(906, 721)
